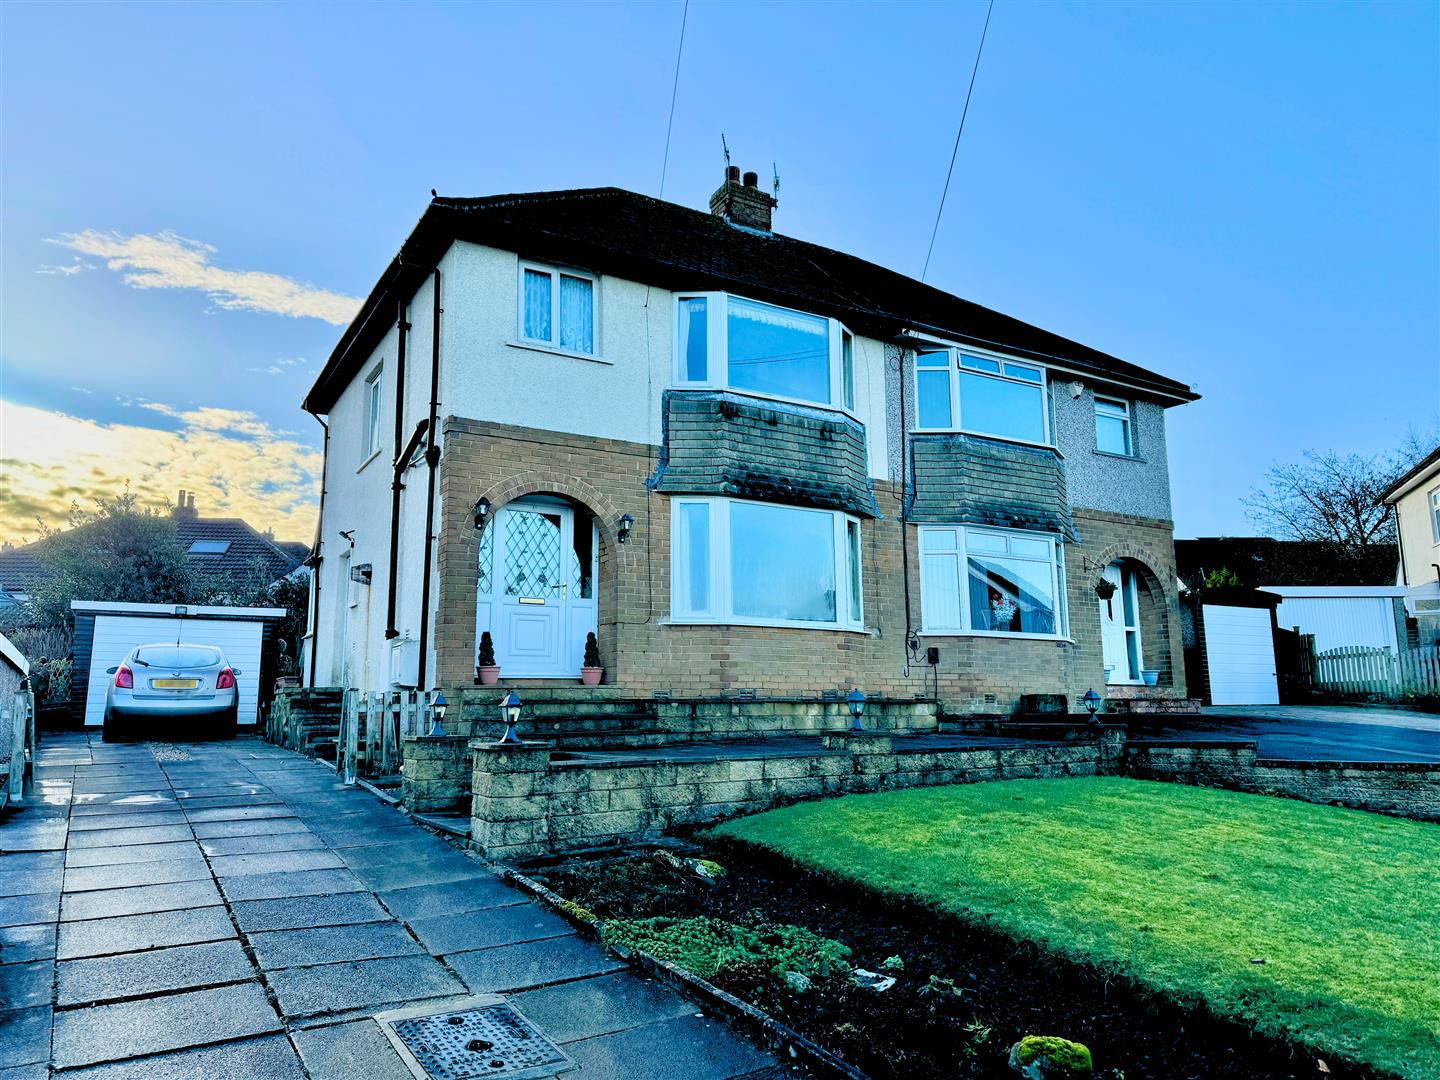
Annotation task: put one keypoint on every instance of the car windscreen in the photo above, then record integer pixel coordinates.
(178, 656)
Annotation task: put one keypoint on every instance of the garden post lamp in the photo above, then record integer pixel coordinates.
(857, 709)
(510, 713)
(438, 705)
(1092, 703)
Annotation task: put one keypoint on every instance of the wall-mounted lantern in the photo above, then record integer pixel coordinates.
(482, 512)
(622, 534)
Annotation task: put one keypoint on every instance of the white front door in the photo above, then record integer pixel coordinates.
(536, 590)
(1120, 627)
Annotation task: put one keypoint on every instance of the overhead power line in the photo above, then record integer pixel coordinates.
(958, 132)
(674, 89)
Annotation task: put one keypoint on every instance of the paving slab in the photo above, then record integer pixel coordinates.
(600, 1006)
(305, 991)
(31, 908)
(25, 986)
(132, 785)
(28, 882)
(21, 944)
(274, 862)
(41, 836)
(486, 929)
(348, 1051)
(26, 1072)
(126, 837)
(111, 820)
(25, 1035)
(131, 933)
(304, 883)
(330, 944)
(269, 1057)
(407, 875)
(535, 963)
(90, 878)
(216, 802)
(131, 1028)
(209, 830)
(239, 813)
(256, 845)
(138, 900)
(118, 854)
(452, 897)
(413, 850)
(692, 1048)
(158, 971)
(33, 861)
(300, 912)
(119, 802)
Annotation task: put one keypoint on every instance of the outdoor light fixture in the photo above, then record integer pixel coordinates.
(623, 534)
(857, 709)
(510, 713)
(438, 705)
(1092, 703)
(482, 512)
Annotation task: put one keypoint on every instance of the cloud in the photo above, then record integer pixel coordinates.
(237, 465)
(279, 367)
(79, 266)
(167, 261)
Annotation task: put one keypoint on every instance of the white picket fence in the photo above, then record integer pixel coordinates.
(373, 727)
(1363, 669)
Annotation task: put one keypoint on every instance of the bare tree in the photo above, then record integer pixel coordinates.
(1333, 497)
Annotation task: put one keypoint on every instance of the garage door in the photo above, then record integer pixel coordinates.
(1240, 653)
(115, 635)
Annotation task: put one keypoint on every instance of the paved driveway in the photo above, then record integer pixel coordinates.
(230, 911)
(1312, 732)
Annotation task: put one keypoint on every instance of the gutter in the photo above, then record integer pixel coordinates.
(315, 555)
(432, 459)
(402, 329)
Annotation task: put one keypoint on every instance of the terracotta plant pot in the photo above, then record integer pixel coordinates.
(590, 676)
(488, 675)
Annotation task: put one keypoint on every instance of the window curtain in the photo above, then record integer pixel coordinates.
(577, 314)
(693, 339)
(537, 306)
(1011, 596)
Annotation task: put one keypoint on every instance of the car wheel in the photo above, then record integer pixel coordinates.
(109, 730)
(229, 721)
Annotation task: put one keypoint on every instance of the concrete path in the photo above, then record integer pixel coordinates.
(1311, 732)
(230, 911)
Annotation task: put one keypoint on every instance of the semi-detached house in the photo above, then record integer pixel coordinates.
(752, 466)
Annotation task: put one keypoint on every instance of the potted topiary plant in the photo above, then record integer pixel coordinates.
(487, 672)
(590, 670)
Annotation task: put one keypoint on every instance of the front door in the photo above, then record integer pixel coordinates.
(536, 590)
(1120, 627)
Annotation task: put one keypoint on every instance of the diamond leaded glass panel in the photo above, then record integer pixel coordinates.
(532, 553)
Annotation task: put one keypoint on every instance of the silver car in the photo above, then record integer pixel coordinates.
(170, 681)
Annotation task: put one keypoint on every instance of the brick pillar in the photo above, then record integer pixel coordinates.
(509, 807)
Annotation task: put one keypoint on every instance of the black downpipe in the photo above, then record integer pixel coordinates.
(395, 485)
(905, 444)
(432, 459)
(315, 556)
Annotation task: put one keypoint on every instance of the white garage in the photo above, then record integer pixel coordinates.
(104, 633)
(1240, 655)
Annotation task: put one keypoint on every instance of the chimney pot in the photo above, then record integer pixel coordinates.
(743, 204)
(732, 173)
(752, 179)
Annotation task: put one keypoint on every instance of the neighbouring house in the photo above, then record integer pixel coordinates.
(754, 467)
(1415, 500)
(222, 549)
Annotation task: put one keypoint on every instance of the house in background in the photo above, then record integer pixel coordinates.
(752, 466)
(1415, 501)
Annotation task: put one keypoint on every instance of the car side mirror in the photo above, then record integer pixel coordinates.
(112, 670)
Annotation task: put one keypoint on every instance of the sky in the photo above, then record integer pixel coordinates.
(1244, 197)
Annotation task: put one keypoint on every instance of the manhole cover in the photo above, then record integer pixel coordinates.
(484, 1036)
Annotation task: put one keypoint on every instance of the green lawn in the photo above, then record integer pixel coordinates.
(1179, 888)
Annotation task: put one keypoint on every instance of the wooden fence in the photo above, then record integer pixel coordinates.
(1363, 670)
(373, 727)
(17, 729)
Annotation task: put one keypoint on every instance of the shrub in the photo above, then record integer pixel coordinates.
(592, 651)
(487, 651)
(705, 946)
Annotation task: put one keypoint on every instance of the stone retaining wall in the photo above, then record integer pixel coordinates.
(300, 715)
(1409, 789)
(436, 773)
(524, 804)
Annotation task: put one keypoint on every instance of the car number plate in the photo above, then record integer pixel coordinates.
(175, 684)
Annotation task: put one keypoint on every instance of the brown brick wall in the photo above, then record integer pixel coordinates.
(642, 654)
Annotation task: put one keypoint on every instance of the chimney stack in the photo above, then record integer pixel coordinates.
(741, 202)
(184, 505)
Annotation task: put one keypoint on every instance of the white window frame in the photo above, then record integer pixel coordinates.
(962, 534)
(370, 433)
(1119, 403)
(1433, 501)
(717, 370)
(553, 342)
(957, 413)
(720, 610)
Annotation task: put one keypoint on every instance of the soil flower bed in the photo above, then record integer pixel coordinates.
(1312, 925)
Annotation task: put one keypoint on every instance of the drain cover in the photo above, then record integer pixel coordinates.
(483, 1036)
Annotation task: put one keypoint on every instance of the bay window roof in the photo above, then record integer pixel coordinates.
(612, 231)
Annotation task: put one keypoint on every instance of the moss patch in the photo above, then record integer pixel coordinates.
(705, 946)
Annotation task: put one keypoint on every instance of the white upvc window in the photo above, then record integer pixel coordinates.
(762, 564)
(371, 420)
(976, 580)
(724, 341)
(1435, 515)
(970, 391)
(1113, 432)
(557, 308)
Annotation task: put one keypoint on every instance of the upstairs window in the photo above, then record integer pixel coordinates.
(727, 341)
(1112, 427)
(557, 308)
(960, 391)
(370, 424)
